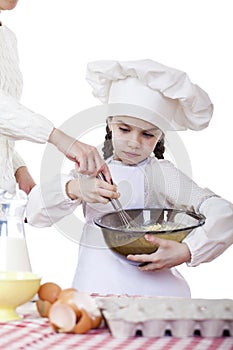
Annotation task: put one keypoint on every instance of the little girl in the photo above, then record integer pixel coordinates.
(150, 98)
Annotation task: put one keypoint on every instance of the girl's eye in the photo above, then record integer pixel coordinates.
(123, 129)
(146, 134)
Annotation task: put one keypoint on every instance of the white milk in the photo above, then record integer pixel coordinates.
(14, 254)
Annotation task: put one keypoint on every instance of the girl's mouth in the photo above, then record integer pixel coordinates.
(131, 155)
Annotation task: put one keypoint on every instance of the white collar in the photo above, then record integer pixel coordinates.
(110, 160)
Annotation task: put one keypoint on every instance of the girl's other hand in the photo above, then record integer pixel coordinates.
(169, 254)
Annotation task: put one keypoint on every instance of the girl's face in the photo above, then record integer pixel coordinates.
(133, 139)
(7, 4)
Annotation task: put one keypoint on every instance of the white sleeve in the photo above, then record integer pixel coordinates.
(175, 189)
(17, 161)
(20, 123)
(49, 203)
(216, 235)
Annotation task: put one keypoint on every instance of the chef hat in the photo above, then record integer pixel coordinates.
(146, 89)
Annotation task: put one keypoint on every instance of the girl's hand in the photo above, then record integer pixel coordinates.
(24, 179)
(91, 190)
(169, 254)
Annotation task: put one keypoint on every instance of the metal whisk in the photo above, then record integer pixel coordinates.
(126, 220)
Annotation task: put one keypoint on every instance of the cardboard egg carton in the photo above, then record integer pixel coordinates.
(156, 316)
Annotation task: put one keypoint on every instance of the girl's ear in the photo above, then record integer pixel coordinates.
(159, 135)
(109, 122)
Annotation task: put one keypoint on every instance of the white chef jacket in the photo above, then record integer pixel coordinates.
(153, 183)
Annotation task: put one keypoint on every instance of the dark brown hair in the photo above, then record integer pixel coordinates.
(108, 148)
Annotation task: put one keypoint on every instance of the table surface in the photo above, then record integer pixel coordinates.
(34, 332)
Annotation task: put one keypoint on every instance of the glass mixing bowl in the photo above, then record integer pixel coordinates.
(170, 224)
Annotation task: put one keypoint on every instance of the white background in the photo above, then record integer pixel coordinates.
(57, 38)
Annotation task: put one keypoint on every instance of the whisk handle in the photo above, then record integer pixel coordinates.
(115, 202)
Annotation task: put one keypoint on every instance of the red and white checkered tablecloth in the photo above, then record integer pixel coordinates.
(33, 332)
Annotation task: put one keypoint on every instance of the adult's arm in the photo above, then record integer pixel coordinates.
(20, 123)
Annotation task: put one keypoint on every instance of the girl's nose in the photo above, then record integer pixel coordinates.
(134, 141)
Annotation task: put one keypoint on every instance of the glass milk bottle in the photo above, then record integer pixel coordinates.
(13, 248)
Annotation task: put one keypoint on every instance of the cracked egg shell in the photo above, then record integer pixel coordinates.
(79, 300)
(84, 324)
(96, 321)
(68, 296)
(62, 317)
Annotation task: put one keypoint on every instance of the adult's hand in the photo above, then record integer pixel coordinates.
(169, 254)
(87, 158)
(24, 179)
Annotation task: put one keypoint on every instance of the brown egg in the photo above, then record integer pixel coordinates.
(43, 307)
(84, 324)
(49, 291)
